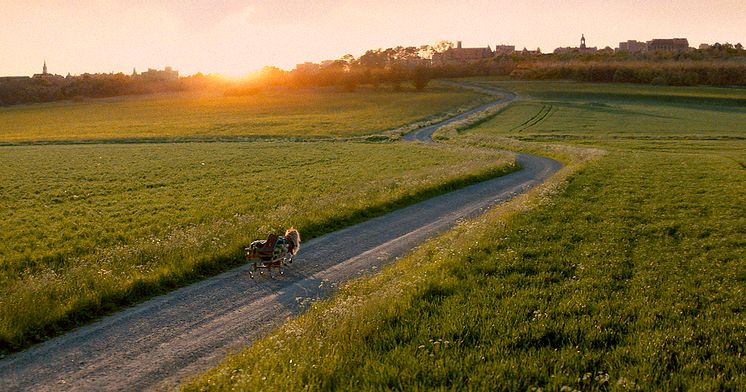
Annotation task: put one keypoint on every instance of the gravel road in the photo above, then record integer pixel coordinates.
(159, 343)
(425, 134)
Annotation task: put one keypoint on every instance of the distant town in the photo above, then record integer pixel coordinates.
(451, 54)
(153, 75)
(460, 54)
(668, 61)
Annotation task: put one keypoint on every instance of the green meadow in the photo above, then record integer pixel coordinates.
(626, 271)
(86, 228)
(275, 113)
(613, 114)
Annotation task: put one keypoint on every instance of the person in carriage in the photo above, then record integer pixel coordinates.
(288, 243)
(274, 251)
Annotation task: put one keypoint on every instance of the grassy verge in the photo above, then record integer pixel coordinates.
(626, 271)
(122, 223)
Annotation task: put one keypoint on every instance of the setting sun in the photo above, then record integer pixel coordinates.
(234, 37)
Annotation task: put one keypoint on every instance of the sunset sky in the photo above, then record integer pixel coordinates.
(234, 37)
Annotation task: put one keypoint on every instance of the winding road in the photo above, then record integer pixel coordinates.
(159, 343)
(425, 134)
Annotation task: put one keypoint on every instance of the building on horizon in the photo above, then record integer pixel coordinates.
(580, 49)
(308, 67)
(633, 46)
(668, 44)
(45, 75)
(44, 72)
(504, 50)
(167, 75)
(460, 54)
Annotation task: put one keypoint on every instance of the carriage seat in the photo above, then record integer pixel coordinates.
(267, 249)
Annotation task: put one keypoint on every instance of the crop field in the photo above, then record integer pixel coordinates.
(281, 113)
(625, 272)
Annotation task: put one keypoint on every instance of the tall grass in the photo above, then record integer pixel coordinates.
(88, 229)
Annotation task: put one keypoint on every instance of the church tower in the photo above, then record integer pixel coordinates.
(44, 69)
(582, 41)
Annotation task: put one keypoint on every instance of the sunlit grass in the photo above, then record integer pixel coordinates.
(87, 228)
(285, 113)
(625, 272)
(609, 114)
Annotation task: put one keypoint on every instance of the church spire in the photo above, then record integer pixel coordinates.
(582, 41)
(44, 69)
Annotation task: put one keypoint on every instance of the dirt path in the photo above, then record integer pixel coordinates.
(157, 344)
(426, 134)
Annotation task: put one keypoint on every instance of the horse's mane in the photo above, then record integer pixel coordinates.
(293, 235)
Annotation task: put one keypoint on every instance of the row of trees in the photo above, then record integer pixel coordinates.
(392, 66)
(659, 73)
(55, 88)
(718, 65)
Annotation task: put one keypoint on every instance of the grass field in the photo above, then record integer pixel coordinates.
(284, 113)
(86, 228)
(607, 114)
(627, 271)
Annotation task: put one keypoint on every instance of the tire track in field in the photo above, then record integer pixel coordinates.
(161, 342)
(544, 113)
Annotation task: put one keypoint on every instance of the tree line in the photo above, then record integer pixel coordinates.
(718, 65)
(50, 88)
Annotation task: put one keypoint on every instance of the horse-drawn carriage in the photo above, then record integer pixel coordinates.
(273, 253)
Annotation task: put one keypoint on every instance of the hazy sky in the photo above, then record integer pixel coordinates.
(236, 36)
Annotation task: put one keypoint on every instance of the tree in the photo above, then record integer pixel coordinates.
(442, 46)
(348, 61)
(349, 84)
(395, 76)
(373, 59)
(421, 77)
